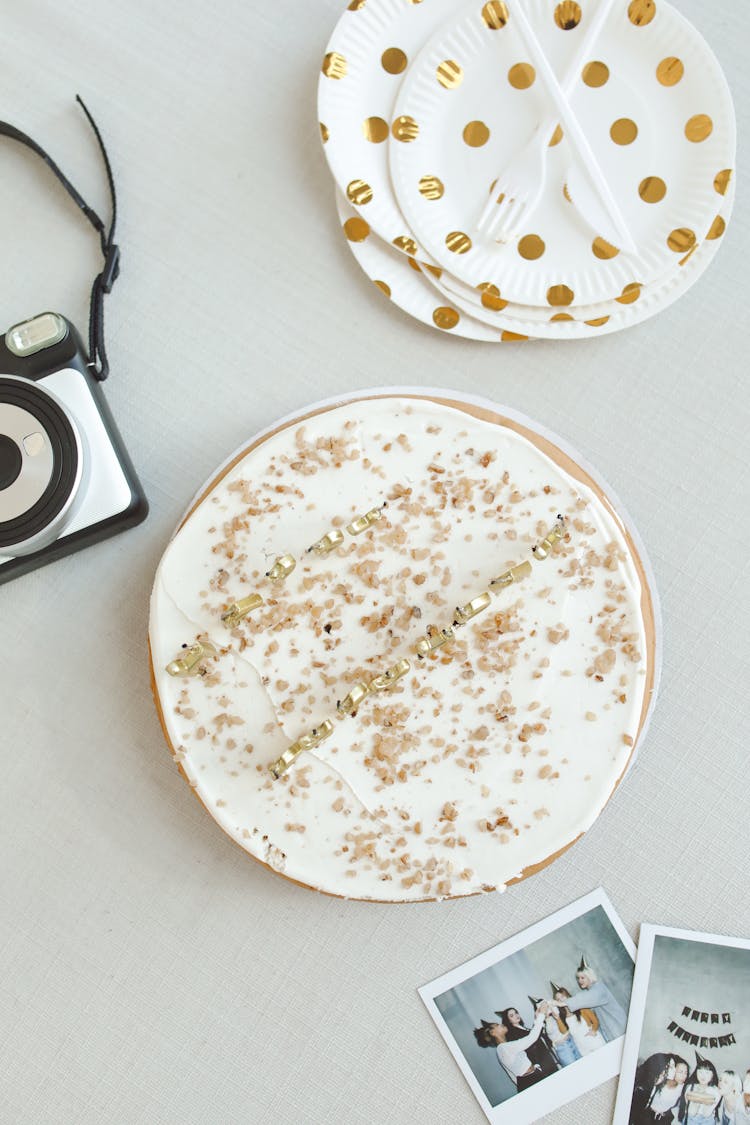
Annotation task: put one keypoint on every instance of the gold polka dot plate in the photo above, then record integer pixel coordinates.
(363, 67)
(561, 319)
(403, 280)
(434, 297)
(654, 106)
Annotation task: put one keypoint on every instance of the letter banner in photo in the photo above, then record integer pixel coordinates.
(703, 1040)
(706, 1017)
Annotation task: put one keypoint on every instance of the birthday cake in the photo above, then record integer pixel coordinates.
(403, 648)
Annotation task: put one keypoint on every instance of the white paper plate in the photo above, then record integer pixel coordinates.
(636, 303)
(400, 278)
(413, 286)
(365, 60)
(481, 104)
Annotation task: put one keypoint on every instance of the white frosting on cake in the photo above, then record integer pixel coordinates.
(487, 758)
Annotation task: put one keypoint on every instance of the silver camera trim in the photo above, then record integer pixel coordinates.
(20, 426)
(103, 491)
(52, 531)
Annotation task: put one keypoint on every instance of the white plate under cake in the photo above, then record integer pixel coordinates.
(488, 757)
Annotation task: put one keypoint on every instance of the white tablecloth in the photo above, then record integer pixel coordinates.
(150, 972)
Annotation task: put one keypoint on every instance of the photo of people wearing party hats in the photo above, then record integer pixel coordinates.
(687, 1053)
(563, 1030)
(519, 1016)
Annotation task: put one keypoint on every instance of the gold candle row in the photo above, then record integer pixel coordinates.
(192, 660)
(435, 639)
(347, 706)
(285, 565)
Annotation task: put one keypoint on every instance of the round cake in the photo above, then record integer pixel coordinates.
(404, 647)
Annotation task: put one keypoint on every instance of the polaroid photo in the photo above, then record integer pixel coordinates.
(539, 1019)
(686, 1059)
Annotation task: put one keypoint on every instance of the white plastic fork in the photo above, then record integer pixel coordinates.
(518, 190)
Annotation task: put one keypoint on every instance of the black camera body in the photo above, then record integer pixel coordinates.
(66, 480)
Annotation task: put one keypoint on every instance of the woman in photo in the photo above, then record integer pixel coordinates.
(560, 1035)
(540, 1052)
(659, 1085)
(512, 1054)
(731, 1108)
(595, 994)
(583, 1025)
(701, 1095)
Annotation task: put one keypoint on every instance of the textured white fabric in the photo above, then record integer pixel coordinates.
(151, 973)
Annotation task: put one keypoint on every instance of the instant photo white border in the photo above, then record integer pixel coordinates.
(570, 1082)
(638, 998)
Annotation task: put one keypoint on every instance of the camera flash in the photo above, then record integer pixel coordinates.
(35, 335)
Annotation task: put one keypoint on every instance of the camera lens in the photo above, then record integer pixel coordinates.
(10, 462)
(40, 466)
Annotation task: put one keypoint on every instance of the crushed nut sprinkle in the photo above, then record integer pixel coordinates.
(446, 726)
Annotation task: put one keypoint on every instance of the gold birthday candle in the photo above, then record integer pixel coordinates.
(391, 677)
(309, 741)
(465, 613)
(363, 523)
(327, 544)
(557, 533)
(515, 574)
(239, 610)
(191, 663)
(282, 568)
(434, 640)
(356, 697)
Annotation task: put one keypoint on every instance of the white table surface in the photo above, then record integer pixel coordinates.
(150, 972)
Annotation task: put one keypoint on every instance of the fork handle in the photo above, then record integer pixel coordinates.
(590, 39)
(569, 83)
(573, 129)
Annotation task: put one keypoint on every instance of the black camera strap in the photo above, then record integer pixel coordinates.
(103, 283)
